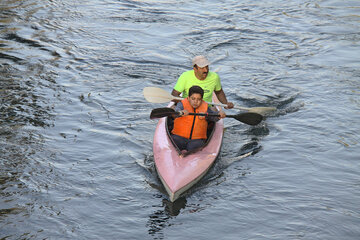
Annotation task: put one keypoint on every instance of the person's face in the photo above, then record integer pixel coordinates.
(201, 73)
(195, 100)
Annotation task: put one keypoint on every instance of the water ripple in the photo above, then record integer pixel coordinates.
(76, 139)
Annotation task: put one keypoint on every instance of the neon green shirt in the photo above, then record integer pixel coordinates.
(209, 84)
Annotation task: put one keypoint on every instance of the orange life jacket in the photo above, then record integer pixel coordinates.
(191, 127)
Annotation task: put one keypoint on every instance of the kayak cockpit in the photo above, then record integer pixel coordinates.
(169, 124)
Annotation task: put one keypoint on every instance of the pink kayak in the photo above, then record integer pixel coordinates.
(178, 171)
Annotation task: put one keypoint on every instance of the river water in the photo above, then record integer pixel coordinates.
(76, 156)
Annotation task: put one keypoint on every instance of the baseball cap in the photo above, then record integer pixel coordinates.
(200, 61)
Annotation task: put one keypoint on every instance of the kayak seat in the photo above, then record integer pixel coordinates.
(170, 125)
(210, 128)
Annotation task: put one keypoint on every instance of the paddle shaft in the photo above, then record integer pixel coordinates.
(217, 104)
(224, 105)
(247, 117)
(212, 115)
(260, 110)
(159, 95)
(211, 103)
(208, 114)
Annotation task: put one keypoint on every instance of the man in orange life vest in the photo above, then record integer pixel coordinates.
(189, 131)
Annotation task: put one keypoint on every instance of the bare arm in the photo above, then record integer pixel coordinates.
(215, 118)
(222, 98)
(176, 94)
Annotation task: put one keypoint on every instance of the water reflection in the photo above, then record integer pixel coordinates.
(24, 111)
(160, 219)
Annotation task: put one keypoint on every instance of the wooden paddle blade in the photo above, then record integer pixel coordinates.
(156, 95)
(162, 112)
(250, 118)
(262, 110)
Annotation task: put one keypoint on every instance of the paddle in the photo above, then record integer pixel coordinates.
(159, 95)
(250, 118)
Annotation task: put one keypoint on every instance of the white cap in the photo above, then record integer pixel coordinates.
(200, 61)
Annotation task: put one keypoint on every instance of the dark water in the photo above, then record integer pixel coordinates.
(76, 139)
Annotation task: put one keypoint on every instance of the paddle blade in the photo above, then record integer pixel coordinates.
(162, 112)
(157, 95)
(262, 110)
(250, 118)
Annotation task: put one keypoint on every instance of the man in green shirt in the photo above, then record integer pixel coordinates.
(201, 76)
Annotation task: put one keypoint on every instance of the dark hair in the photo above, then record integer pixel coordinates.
(196, 89)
